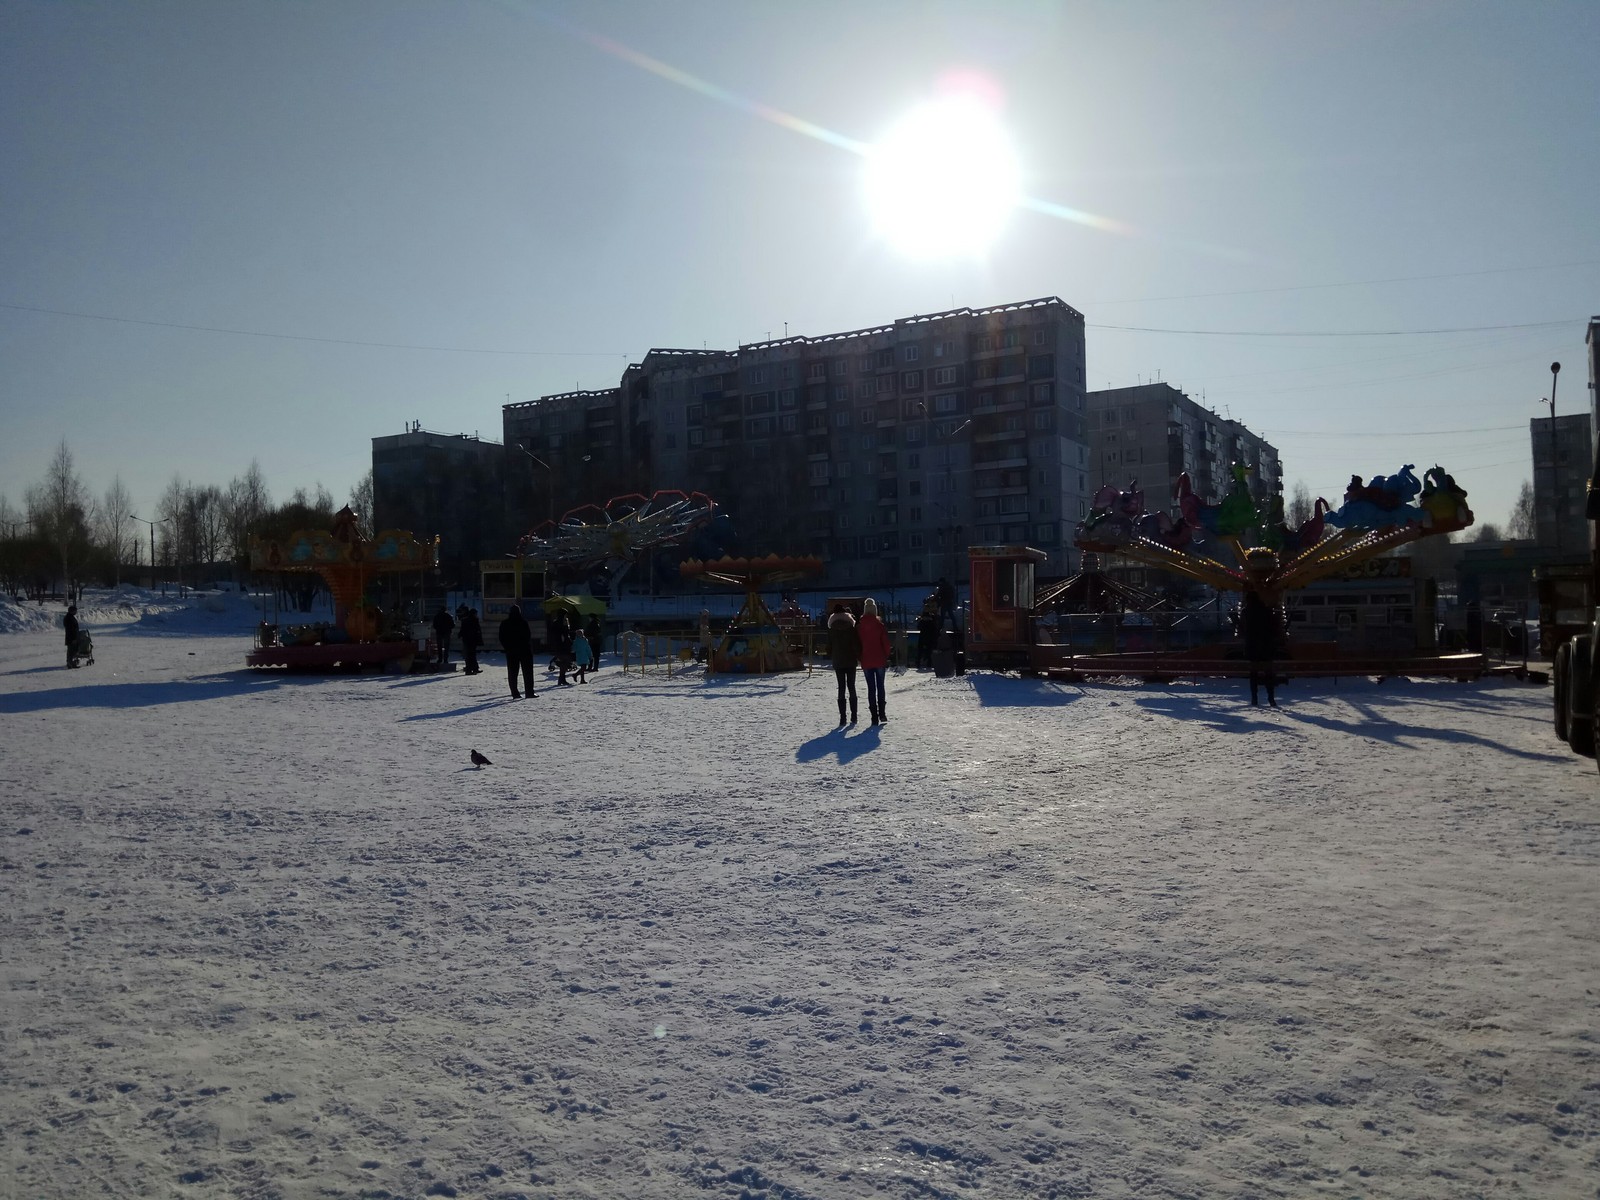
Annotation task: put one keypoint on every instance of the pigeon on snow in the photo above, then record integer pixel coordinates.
(479, 760)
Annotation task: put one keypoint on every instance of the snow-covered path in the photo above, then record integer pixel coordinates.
(273, 936)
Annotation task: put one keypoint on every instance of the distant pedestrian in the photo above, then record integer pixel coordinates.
(517, 641)
(443, 624)
(471, 639)
(945, 594)
(927, 636)
(596, 636)
(874, 640)
(70, 625)
(844, 649)
(582, 655)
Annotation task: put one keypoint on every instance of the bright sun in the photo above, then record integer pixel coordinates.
(942, 181)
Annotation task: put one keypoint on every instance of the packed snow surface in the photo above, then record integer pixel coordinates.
(273, 935)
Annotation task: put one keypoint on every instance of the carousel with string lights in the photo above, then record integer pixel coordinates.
(757, 641)
(1239, 545)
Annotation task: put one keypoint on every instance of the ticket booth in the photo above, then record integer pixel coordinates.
(1001, 581)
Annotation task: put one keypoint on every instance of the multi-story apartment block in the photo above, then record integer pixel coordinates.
(1561, 463)
(887, 450)
(1154, 433)
(444, 485)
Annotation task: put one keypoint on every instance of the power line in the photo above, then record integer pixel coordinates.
(1311, 333)
(300, 337)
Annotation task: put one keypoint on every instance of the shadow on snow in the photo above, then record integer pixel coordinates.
(838, 743)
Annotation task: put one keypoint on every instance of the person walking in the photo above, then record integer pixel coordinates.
(70, 625)
(844, 648)
(471, 639)
(443, 624)
(517, 641)
(874, 640)
(592, 631)
(927, 637)
(582, 655)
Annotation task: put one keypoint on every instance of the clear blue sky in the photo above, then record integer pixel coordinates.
(511, 176)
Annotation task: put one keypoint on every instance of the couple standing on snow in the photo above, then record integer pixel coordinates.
(866, 644)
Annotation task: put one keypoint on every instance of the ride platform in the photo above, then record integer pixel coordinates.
(1305, 662)
(345, 656)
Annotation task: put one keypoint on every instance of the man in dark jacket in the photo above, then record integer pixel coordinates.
(844, 648)
(471, 638)
(591, 630)
(517, 641)
(70, 625)
(1262, 627)
(443, 624)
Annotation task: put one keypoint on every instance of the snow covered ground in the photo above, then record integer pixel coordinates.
(273, 936)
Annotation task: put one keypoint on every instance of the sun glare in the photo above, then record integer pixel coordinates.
(942, 182)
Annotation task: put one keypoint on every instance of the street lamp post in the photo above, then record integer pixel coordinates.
(1555, 495)
(152, 524)
(550, 474)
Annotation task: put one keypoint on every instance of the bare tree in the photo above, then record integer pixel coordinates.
(112, 529)
(1522, 524)
(61, 511)
(247, 504)
(1488, 532)
(1301, 506)
(361, 503)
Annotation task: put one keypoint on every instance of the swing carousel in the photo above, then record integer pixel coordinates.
(1241, 546)
(360, 635)
(757, 642)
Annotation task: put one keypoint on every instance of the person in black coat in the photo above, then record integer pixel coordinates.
(70, 625)
(1262, 628)
(592, 631)
(517, 641)
(443, 625)
(844, 649)
(471, 639)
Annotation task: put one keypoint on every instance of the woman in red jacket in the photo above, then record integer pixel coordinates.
(874, 657)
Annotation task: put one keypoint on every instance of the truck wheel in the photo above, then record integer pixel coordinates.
(1580, 698)
(1558, 675)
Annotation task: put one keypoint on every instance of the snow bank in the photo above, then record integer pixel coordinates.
(25, 618)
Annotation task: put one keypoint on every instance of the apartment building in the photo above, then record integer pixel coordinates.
(448, 485)
(1154, 433)
(886, 451)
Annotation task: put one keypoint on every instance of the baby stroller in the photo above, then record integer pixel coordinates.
(82, 647)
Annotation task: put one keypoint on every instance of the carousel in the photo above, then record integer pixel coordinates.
(758, 641)
(360, 634)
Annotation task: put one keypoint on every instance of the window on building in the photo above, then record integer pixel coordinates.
(864, 389)
(694, 414)
(841, 469)
(1042, 393)
(910, 353)
(1040, 338)
(1044, 420)
(1013, 423)
(983, 342)
(789, 422)
(841, 419)
(913, 435)
(885, 384)
(842, 520)
(697, 437)
(816, 422)
(1012, 338)
(761, 402)
(868, 415)
(817, 370)
(758, 427)
(819, 495)
(788, 398)
(864, 363)
(1041, 366)
(910, 381)
(948, 402)
(869, 441)
(885, 358)
(914, 514)
(943, 376)
(759, 375)
(841, 366)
